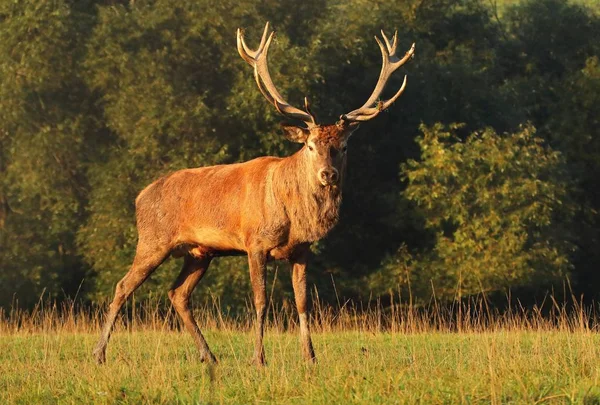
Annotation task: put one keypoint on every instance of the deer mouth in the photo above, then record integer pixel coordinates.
(329, 186)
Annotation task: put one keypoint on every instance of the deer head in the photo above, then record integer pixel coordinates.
(325, 146)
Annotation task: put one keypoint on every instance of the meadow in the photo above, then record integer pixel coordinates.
(458, 354)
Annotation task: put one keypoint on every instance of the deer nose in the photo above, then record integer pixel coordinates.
(329, 176)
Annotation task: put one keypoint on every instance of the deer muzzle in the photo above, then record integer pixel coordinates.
(329, 176)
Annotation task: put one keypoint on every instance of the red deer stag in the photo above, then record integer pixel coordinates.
(268, 208)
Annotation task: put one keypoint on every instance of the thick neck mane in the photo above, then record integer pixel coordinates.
(313, 210)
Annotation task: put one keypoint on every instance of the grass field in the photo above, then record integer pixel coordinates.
(367, 357)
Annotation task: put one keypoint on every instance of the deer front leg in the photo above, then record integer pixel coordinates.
(299, 282)
(257, 261)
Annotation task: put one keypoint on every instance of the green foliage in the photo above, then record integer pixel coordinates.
(549, 60)
(497, 206)
(46, 126)
(100, 98)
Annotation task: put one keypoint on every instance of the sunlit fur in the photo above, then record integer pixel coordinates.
(271, 204)
(267, 208)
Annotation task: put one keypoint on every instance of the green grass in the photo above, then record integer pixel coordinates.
(441, 353)
(154, 366)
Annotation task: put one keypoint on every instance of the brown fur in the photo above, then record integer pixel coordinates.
(268, 208)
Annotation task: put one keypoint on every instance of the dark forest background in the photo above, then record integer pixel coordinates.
(483, 177)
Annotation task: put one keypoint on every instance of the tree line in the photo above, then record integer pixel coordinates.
(481, 178)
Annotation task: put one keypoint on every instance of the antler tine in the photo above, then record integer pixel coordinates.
(390, 47)
(369, 113)
(258, 60)
(390, 63)
(308, 110)
(246, 53)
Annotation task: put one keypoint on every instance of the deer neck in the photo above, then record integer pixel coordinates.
(313, 210)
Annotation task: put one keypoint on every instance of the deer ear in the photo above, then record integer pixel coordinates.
(295, 134)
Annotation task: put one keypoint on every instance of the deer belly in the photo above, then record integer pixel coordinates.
(213, 239)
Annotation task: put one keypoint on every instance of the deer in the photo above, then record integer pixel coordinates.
(268, 208)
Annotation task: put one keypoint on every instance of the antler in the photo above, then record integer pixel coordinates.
(390, 64)
(258, 60)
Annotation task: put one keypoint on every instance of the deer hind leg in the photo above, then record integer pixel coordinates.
(145, 262)
(258, 279)
(192, 272)
(300, 293)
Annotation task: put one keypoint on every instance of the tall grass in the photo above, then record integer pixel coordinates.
(471, 315)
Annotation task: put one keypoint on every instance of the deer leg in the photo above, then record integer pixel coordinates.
(258, 279)
(299, 282)
(145, 262)
(192, 272)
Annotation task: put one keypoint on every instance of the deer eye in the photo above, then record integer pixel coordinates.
(310, 148)
(344, 149)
